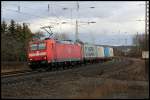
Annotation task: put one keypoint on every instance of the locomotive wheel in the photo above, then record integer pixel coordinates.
(33, 67)
(41, 69)
(53, 68)
(49, 68)
(68, 65)
(64, 67)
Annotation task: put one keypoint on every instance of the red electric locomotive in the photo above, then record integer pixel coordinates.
(51, 53)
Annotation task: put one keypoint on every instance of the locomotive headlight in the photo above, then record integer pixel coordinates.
(45, 58)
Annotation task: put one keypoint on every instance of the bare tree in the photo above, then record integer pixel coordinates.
(140, 43)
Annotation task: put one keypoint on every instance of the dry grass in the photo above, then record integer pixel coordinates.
(108, 87)
(135, 71)
(101, 90)
(13, 66)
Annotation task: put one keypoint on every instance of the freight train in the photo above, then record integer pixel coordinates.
(51, 53)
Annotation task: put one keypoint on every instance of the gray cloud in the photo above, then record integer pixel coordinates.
(112, 18)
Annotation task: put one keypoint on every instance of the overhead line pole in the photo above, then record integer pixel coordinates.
(77, 38)
(146, 37)
(146, 23)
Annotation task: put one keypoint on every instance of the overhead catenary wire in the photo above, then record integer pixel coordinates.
(24, 13)
(28, 13)
(35, 9)
(44, 17)
(31, 14)
(45, 10)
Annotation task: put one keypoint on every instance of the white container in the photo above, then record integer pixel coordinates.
(100, 51)
(111, 51)
(89, 51)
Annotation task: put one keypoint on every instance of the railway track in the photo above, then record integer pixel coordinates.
(15, 73)
(11, 77)
(23, 72)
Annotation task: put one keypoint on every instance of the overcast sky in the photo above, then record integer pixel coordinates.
(115, 21)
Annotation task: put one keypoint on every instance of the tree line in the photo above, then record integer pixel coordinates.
(141, 43)
(15, 38)
(14, 41)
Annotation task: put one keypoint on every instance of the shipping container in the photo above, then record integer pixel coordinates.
(100, 51)
(89, 51)
(111, 52)
(107, 51)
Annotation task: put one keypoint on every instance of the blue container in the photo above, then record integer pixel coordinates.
(106, 52)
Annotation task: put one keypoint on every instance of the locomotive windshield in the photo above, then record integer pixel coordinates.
(33, 47)
(40, 46)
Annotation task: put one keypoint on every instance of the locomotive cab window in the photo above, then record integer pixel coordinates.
(33, 47)
(42, 46)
